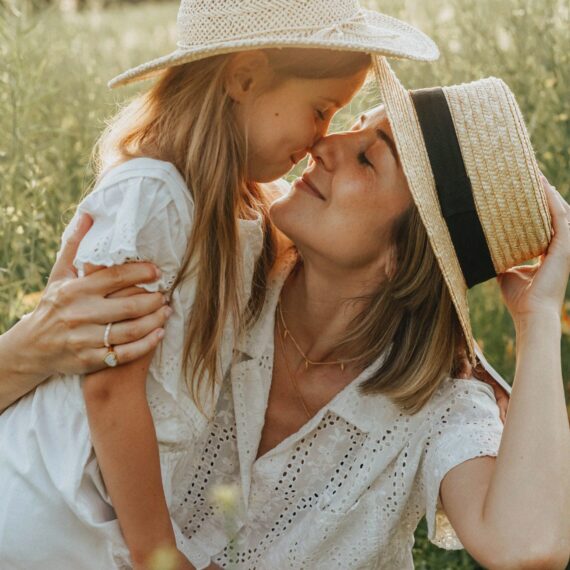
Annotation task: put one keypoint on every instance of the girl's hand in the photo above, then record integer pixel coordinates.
(539, 289)
(65, 332)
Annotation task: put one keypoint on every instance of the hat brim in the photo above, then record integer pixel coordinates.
(415, 162)
(376, 34)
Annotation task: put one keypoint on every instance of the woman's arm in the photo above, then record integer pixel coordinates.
(514, 511)
(65, 332)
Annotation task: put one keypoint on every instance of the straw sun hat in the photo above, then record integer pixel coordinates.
(212, 27)
(473, 176)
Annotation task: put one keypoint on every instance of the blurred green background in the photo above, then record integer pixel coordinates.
(55, 60)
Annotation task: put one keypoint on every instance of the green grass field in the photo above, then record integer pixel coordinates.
(54, 101)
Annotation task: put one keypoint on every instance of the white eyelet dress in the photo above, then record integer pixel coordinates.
(55, 513)
(347, 490)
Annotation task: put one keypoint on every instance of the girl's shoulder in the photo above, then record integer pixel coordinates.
(148, 172)
(142, 211)
(143, 166)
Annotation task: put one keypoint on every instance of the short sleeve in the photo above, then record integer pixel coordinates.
(465, 424)
(141, 211)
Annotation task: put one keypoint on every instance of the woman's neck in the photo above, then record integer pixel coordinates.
(319, 303)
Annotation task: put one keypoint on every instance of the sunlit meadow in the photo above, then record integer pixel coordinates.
(54, 67)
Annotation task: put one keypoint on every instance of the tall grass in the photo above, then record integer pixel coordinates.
(54, 100)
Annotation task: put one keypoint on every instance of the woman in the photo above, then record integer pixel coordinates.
(337, 446)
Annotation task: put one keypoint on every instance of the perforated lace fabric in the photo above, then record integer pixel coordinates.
(346, 491)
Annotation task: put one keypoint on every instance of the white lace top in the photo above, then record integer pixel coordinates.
(346, 491)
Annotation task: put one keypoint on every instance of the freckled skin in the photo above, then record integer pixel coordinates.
(352, 224)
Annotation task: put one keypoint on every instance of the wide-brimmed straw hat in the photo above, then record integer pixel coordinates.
(473, 176)
(212, 27)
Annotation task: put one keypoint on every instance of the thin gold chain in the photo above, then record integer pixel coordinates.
(292, 376)
(308, 362)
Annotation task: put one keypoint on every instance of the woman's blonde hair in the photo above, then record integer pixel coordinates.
(411, 319)
(187, 118)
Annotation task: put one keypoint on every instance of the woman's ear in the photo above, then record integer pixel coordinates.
(247, 73)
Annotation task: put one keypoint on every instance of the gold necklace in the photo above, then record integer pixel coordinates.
(287, 333)
(292, 379)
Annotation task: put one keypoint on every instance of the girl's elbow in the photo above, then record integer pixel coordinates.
(97, 392)
(104, 388)
(533, 557)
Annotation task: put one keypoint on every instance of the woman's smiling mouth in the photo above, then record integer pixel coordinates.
(305, 184)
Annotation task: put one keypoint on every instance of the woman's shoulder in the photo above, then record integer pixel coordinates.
(461, 401)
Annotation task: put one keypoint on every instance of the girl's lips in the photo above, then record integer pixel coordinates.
(305, 184)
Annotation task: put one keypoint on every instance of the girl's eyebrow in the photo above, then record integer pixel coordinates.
(384, 137)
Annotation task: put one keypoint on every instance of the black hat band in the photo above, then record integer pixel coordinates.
(453, 185)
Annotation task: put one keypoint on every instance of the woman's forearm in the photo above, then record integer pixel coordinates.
(22, 367)
(529, 494)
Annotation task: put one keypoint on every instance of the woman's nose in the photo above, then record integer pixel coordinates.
(330, 149)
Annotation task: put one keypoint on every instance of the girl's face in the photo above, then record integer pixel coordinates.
(282, 123)
(344, 206)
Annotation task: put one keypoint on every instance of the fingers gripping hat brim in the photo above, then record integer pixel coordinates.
(365, 32)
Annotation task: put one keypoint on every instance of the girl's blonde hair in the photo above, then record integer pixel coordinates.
(411, 319)
(187, 118)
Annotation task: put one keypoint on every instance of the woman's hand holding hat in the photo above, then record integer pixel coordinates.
(539, 289)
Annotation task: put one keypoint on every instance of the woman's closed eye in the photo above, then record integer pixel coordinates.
(362, 159)
(321, 115)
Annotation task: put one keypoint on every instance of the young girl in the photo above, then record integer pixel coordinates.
(179, 185)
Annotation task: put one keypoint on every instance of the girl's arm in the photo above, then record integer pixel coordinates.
(124, 439)
(64, 333)
(514, 511)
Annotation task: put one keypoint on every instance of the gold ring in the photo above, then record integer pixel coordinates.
(111, 359)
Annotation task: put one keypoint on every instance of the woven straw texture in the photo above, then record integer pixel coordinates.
(500, 163)
(214, 27)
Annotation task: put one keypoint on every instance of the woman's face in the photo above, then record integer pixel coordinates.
(343, 207)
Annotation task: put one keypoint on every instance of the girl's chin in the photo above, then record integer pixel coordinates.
(271, 172)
